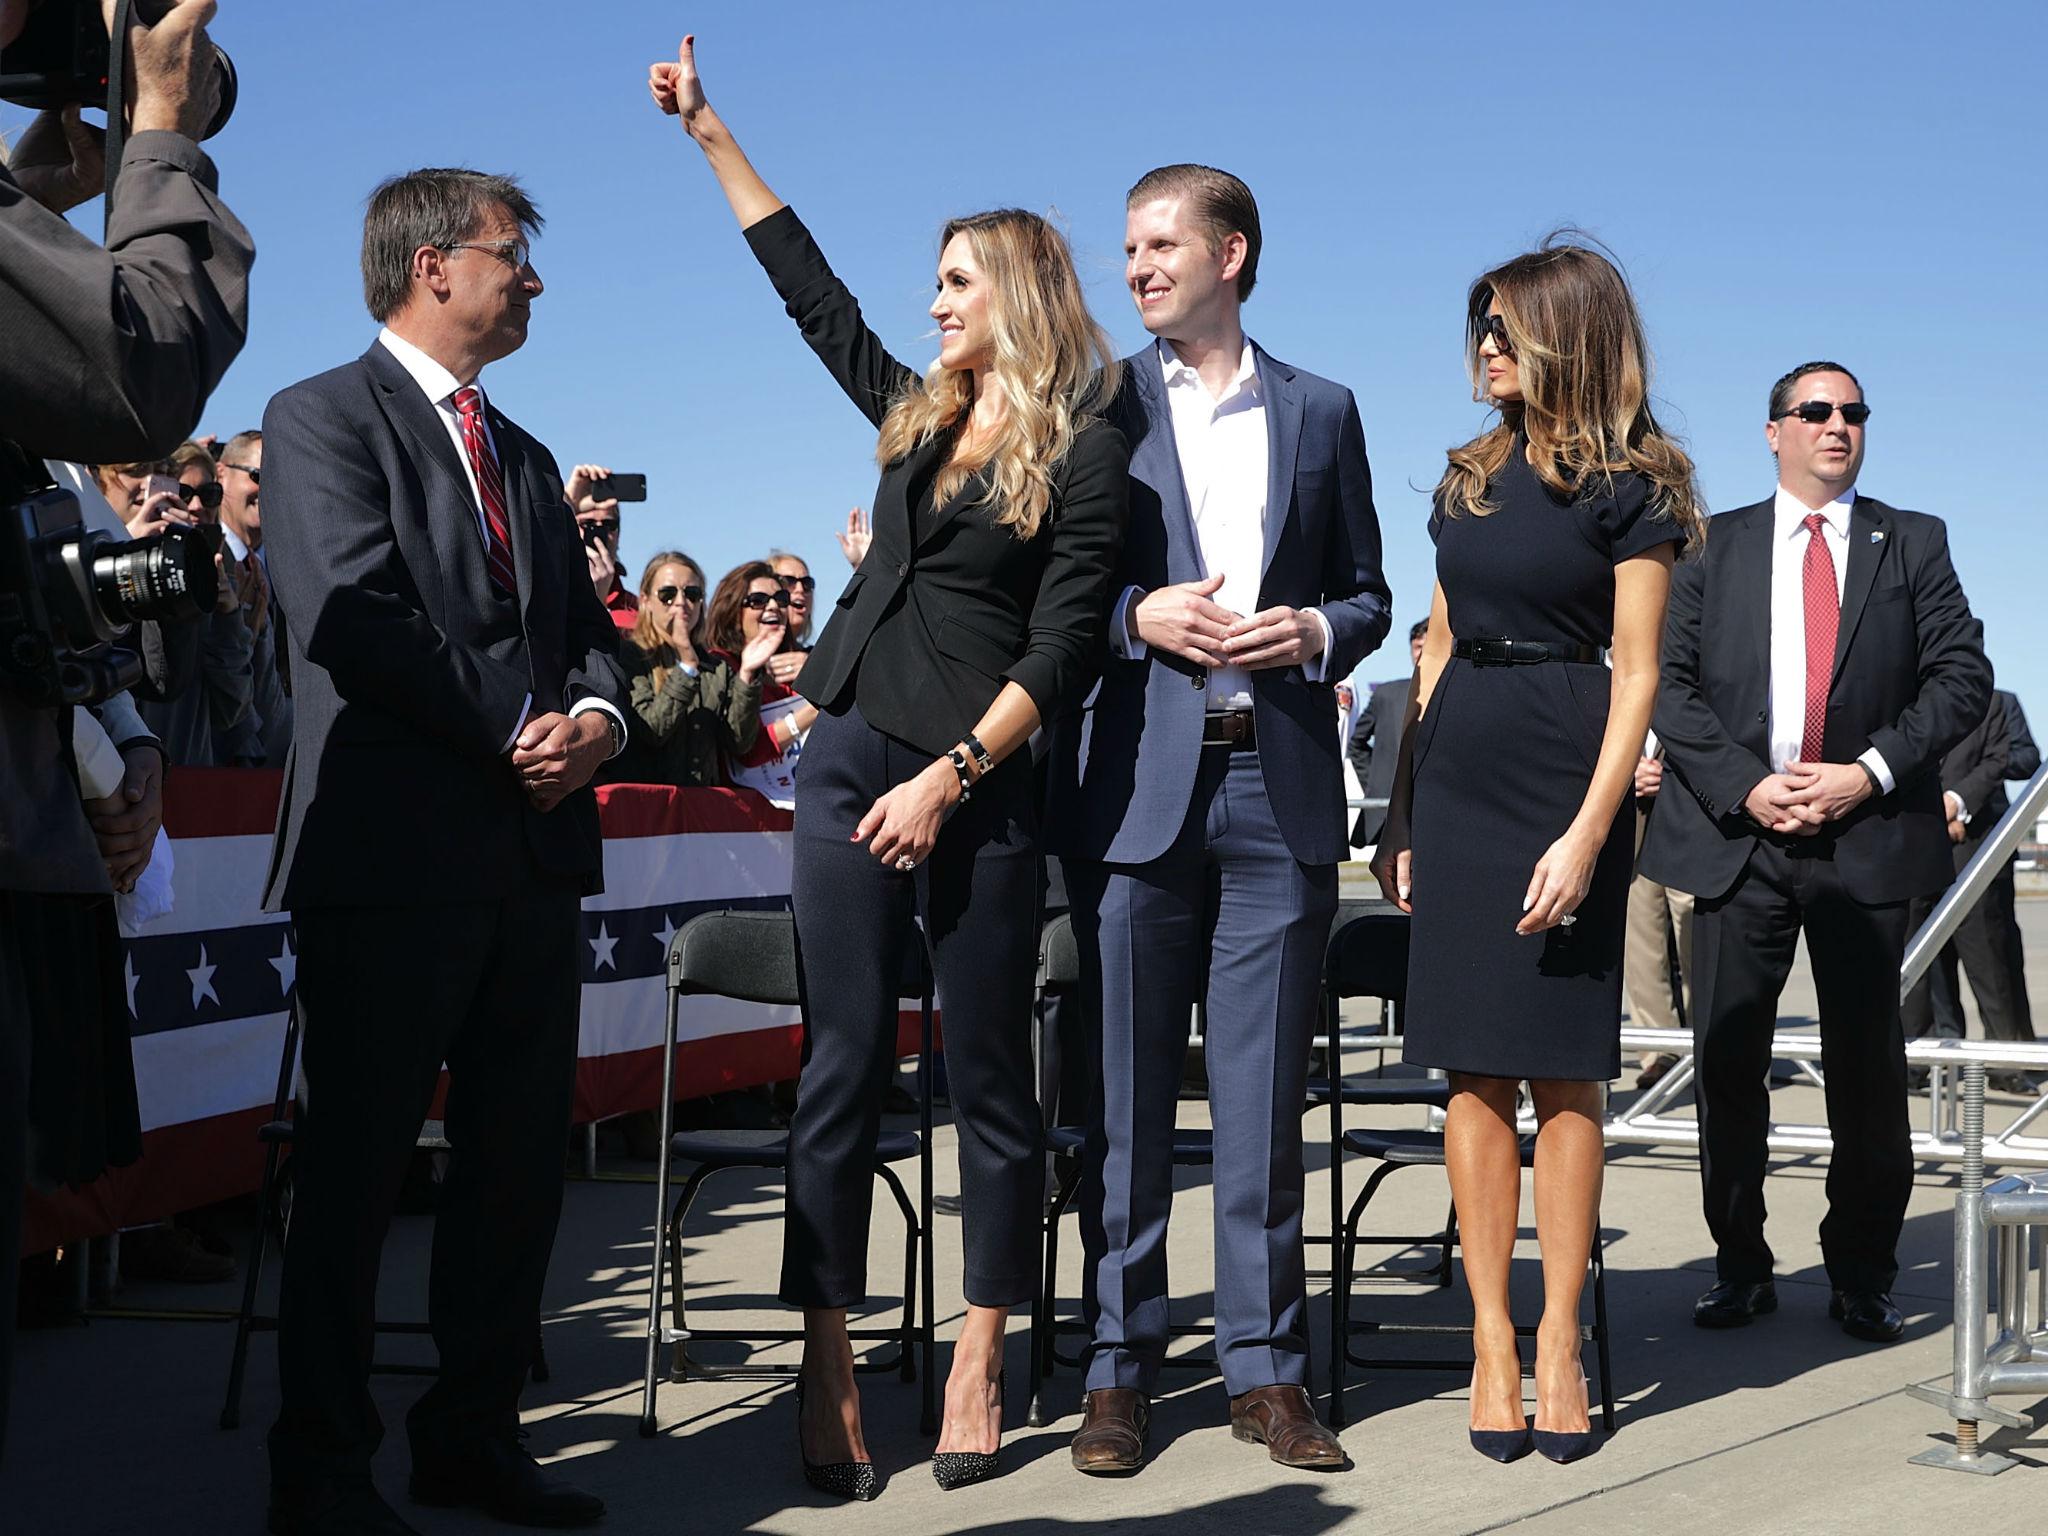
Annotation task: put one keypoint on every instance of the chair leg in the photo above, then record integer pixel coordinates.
(928, 1422)
(231, 1409)
(1600, 1331)
(908, 1345)
(1344, 1258)
(679, 1361)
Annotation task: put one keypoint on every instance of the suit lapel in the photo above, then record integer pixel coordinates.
(1283, 443)
(1746, 568)
(1155, 459)
(416, 416)
(1869, 535)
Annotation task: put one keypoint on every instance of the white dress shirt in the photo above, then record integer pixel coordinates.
(1225, 464)
(440, 387)
(1788, 621)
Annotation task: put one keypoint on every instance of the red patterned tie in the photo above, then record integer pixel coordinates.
(1823, 618)
(490, 486)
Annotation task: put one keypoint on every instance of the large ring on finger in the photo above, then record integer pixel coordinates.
(1567, 920)
(906, 863)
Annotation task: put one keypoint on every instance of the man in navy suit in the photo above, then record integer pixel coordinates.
(457, 685)
(1198, 801)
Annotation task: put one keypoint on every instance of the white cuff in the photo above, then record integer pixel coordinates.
(1121, 640)
(518, 726)
(619, 738)
(1317, 668)
(1874, 761)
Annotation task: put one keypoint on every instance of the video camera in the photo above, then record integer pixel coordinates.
(68, 592)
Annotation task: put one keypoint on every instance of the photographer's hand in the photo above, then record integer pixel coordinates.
(176, 87)
(126, 822)
(60, 161)
(577, 491)
(161, 511)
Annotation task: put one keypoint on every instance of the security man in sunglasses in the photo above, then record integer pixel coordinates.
(1819, 659)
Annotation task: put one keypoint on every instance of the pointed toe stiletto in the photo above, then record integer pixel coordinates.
(1562, 1446)
(842, 1479)
(1501, 1445)
(956, 1469)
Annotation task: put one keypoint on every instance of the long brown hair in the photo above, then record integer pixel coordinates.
(728, 629)
(1585, 377)
(1054, 369)
(649, 636)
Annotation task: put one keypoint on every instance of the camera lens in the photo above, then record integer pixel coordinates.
(169, 575)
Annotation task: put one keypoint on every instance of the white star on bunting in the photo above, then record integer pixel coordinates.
(665, 935)
(201, 977)
(128, 971)
(286, 964)
(602, 946)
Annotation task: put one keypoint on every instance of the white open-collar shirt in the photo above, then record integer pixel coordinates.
(1789, 540)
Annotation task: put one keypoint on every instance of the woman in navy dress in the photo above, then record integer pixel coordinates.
(1555, 531)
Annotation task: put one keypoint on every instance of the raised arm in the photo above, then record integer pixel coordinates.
(823, 309)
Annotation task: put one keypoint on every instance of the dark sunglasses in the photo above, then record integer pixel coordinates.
(791, 583)
(1495, 326)
(207, 495)
(1817, 413)
(602, 527)
(669, 594)
(255, 475)
(758, 601)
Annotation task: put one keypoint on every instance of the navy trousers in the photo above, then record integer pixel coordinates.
(978, 896)
(1230, 901)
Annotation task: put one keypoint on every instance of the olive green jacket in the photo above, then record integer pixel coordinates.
(680, 729)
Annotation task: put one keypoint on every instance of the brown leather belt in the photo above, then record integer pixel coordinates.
(1233, 729)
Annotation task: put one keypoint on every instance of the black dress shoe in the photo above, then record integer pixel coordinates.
(1732, 1303)
(1867, 1315)
(351, 1510)
(495, 1474)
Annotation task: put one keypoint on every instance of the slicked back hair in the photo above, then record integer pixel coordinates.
(1221, 204)
(1781, 392)
(435, 207)
(239, 445)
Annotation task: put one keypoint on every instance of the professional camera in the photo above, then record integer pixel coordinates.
(65, 54)
(67, 593)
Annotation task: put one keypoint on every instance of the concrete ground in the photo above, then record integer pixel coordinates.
(1785, 1427)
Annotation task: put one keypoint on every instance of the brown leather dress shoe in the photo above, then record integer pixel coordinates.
(1112, 1433)
(1283, 1421)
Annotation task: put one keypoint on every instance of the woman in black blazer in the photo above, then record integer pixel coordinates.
(978, 610)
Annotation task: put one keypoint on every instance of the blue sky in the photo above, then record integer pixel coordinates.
(1781, 182)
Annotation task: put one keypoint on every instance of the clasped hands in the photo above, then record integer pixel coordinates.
(1184, 620)
(1807, 796)
(556, 754)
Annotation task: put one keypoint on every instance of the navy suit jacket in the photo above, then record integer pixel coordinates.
(1123, 771)
(407, 674)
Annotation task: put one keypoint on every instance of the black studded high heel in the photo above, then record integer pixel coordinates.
(956, 1469)
(842, 1479)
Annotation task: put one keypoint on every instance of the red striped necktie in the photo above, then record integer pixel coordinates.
(1823, 619)
(490, 485)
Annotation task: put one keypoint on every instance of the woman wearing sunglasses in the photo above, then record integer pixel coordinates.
(750, 618)
(691, 704)
(1554, 529)
(972, 621)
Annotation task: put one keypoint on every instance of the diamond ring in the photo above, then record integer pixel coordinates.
(906, 863)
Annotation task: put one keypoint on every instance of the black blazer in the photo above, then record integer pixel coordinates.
(1976, 768)
(407, 673)
(1910, 679)
(1375, 752)
(948, 606)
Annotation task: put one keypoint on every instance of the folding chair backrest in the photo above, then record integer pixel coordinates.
(1062, 956)
(1368, 954)
(750, 956)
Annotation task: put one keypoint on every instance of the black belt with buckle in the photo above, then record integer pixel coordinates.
(1503, 652)
(1233, 729)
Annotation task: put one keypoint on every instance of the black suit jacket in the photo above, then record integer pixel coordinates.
(1375, 751)
(1976, 768)
(948, 605)
(407, 674)
(1910, 679)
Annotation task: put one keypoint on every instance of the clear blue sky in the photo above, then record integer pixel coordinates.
(1782, 181)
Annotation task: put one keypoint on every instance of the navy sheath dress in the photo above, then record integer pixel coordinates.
(1502, 759)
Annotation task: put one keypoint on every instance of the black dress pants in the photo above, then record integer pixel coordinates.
(386, 995)
(14, 1065)
(1743, 945)
(978, 897)
(1991, 953)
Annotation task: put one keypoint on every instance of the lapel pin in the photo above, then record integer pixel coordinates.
(1877, 536)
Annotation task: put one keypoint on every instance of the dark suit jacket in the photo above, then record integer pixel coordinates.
(1910, 679)
(1976, 768)
(1375, 752)
(1123, 770)
(948, 606)
(406, 680)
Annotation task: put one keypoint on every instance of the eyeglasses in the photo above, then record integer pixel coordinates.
(758, 601)
(794, 583)
(516, 254)
(255, 475)
(604, 527)
(207, 494)
(1495, 326)
(1818, 413)
(668, 595)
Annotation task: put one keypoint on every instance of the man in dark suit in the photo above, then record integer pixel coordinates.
(1376, 743)
(456, 688)
(1818, 660)
(1988, 941)
(1198, 801)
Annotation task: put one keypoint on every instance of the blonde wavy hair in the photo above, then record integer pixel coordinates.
(1584, 365)
(1054, 371)
(649, 636)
